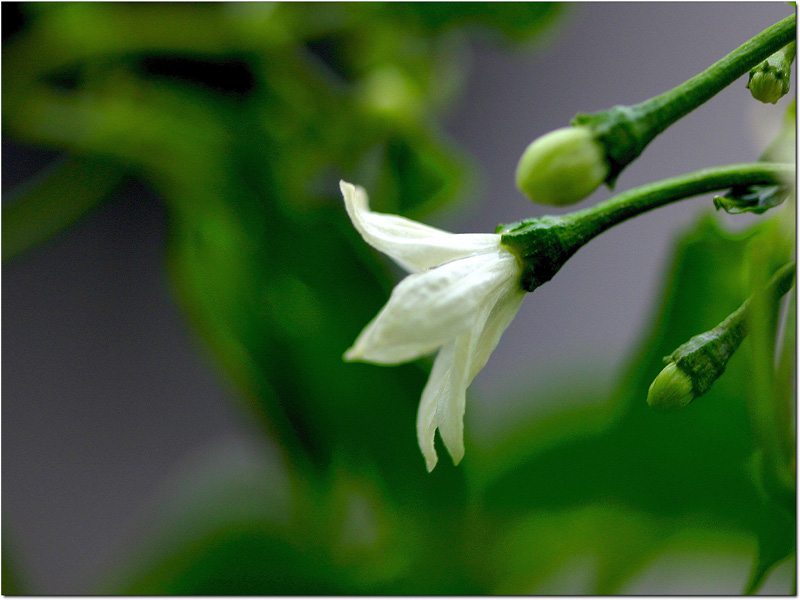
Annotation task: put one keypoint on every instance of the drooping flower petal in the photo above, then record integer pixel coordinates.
(438, 385)
(452, 403)
(427, 309)
(412, 245)
(498, 321)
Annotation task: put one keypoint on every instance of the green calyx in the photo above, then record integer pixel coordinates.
(622, 131)
(705, 356)
(542, 245)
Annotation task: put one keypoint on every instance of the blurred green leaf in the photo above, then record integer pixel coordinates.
(516, 20)
(677, 467)
(60, 197)
(770, 402)
(225, 530)
(261, 254)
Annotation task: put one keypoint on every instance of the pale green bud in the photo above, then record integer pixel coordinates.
(670, 390)
(768, 85)
(769, 80)
(562, 167)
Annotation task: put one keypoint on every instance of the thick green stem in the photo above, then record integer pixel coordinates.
(545, 244)
(626, 130)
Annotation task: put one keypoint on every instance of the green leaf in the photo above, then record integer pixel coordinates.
(755, 199)
(418, 175)
(225, 528)
(770, 401)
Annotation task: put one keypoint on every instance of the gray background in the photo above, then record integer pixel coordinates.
(107, 394)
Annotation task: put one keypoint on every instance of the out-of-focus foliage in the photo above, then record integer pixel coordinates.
(243, 116)
(663, 473)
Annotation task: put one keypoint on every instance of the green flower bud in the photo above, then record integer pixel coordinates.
(562, 167)
(769, 80)
(768, 85)
(670, 390)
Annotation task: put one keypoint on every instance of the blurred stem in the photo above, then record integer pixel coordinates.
(55, 202)
(544, 244)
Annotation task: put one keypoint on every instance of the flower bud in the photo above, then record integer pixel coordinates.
(769, 80)
(562, 167)
(670, 390)
(768, 85)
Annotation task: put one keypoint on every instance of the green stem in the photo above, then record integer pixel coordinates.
(626, 130)
(545, 244)
(597, 219)
(678, 102)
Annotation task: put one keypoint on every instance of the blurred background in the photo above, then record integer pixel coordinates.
(180, 281)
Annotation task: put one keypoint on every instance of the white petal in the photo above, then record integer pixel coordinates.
(412, 245)
(427, 415)
(456, 367)
(447, 389)
(430, 308)
(452, 401)
(499, 319)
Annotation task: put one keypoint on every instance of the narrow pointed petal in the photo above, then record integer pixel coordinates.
(430, 308)
(427, 415)
(499, 319)
(452, 401)
(412, 245)
(470, 354)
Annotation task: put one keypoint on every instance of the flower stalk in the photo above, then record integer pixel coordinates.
(544, 244)
(626, 130)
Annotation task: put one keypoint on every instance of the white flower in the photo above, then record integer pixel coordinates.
(462, 293)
